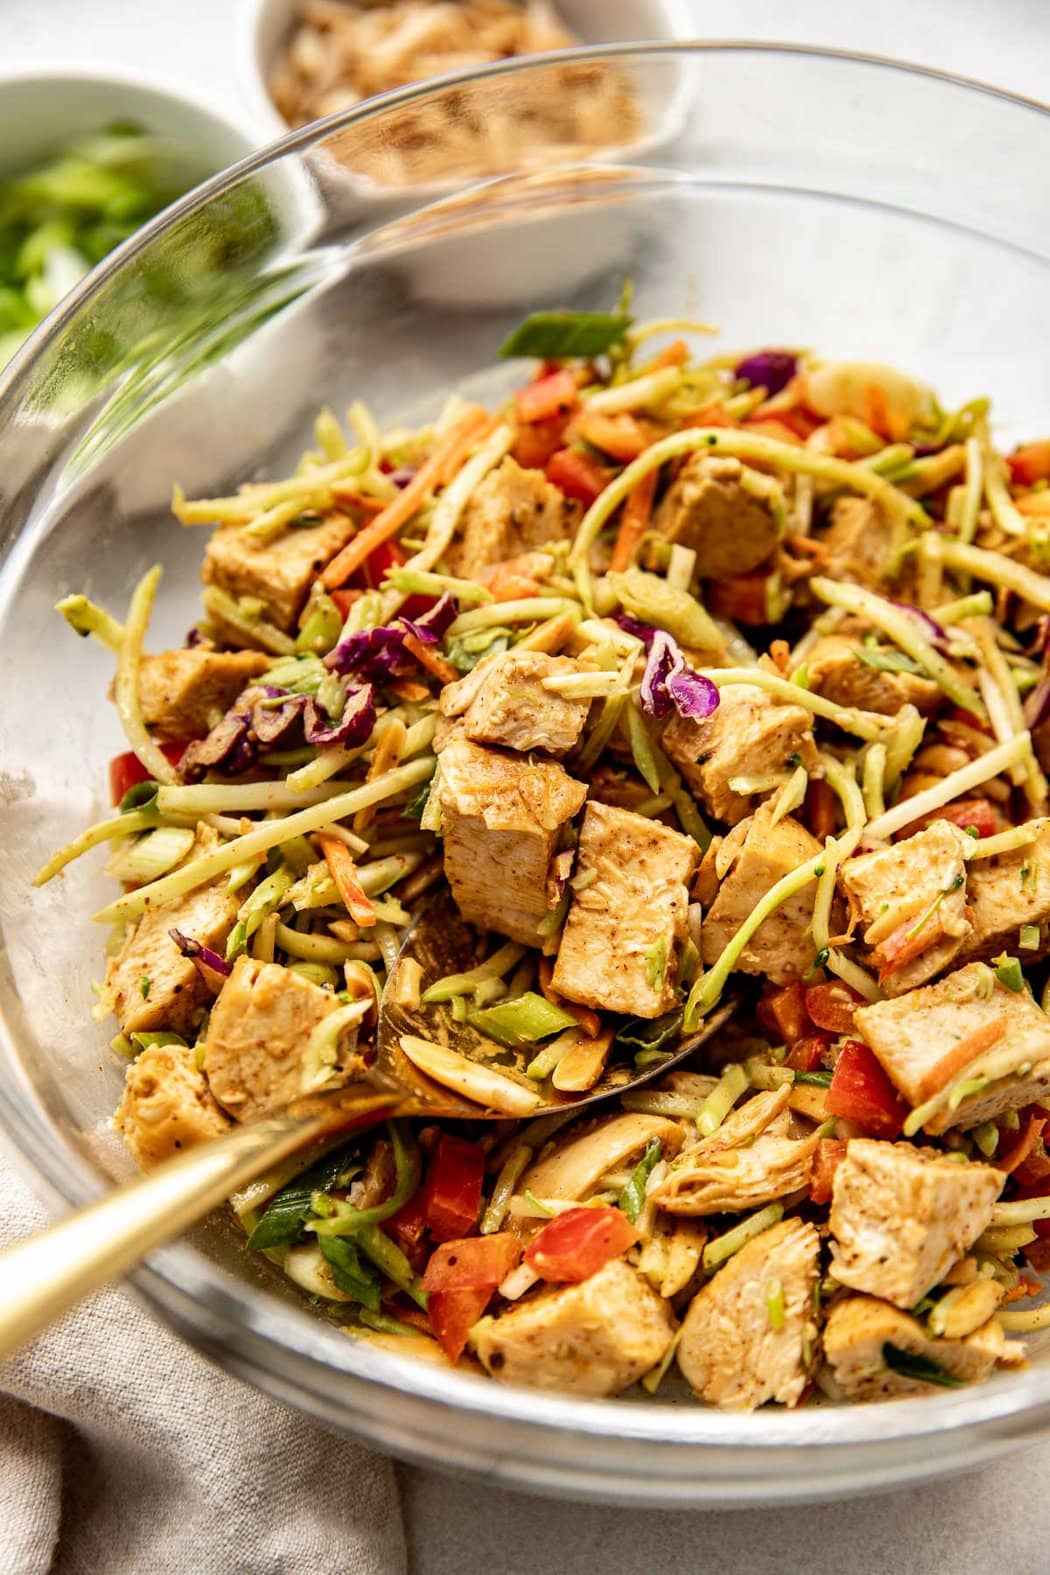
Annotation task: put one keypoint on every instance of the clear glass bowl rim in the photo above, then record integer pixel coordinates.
(287, 1351)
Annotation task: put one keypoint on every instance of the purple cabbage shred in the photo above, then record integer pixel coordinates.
(668, 682)
(213, 969)
(768, 369)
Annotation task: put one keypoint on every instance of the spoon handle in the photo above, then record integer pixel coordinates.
(45, 1275)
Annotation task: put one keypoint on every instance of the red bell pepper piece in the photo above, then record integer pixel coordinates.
(830, 1154)
(408, 1227)
(578, 1243)
(861, 1092)
(473, 1263)
(1030, 463)
(453, 1314)
(787, 1008)
(550, 395)
(452, 1190)
(537, 441)
(127, 771)
(577, 475)
(741, 598)
(831, 1006)
(976, 812)
(808, 1054)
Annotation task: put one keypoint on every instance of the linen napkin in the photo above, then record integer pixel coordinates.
(124, 1452)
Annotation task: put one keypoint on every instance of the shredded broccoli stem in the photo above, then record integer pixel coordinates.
(1022, 1212)
(790, 796)
(973, 490)
(530, 609)
(901, 745)
(720, 1101)
(495, 967)
(636, 393)
(445, 515)
(126, 681)
(254, 500)
(255, 632)
(103, 831)
(1027, 1321)
(1007, 841)
(875, 757)
(862, 724)
(854, 975)
(742, 445)
(242, 798)
(904, 632)
(270, 834)
(956, 783)
(1004, 512)
(510, 1174)
(978, 605)
(346, 1220)
(820, 926)
(1011, 723)
(721, 1248)
(83, 616)
(321, 1056)
(843, 781)
(419, 582)
(997, 569)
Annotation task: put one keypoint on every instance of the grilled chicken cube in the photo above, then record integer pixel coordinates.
(151, 985)
(901, 1216)
(781, 948)
(596, 1338)
(858, 543)
(1006, 894)
(255, 1051)
(912, 902)
(167, 1106)
(504, 701)
(721, 512)
(510, 512)
(838, 672)
(743, 751)
(751, 1159)
(184, 693)
(859, 1328)
(749, 1335)
(501, 818)
(278, 574)
(619, 949)
(967, 1027)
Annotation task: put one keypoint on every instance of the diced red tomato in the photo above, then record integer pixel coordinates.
(976, 812)
(408, 1227)
(861, 1092)
(578, 1243)
(820, 808)
(1030, 463)
(1010, 1156)
(787, 1007)
(344, 599)
(452, 1190)
(453, 1314)
(830, 1154)
(549, 395)
(741, 598)
(127, 771)
(1038, 1252)
(388, 555)
(808, 1054)
(831, 1006)
(472, 1263)
(577, 475)
(537, 441)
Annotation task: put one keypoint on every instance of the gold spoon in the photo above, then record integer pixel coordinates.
(45, 1275)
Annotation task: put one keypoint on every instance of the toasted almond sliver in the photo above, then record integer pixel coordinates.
(583, 1065)
(479, 1083)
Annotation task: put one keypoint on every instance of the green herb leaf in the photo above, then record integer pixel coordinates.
(555, 336)
(632, 1198)
(908, 1365)
(349, 1273)
(286, 1215)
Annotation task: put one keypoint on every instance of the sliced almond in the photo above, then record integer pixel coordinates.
(482, 1084)
(583, 1065)
(964, 1309)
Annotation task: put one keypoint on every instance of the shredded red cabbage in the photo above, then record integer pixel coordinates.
(255, 722)
(668, 682)
(377, 654)
(768, 369)
(213, 969)
(936, 633)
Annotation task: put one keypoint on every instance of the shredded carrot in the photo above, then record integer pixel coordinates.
(588, 1020)
(434, 664)
(902, 947)
(620, 436)
(957, 1060)
(477, 425)
(433, 472)
(357, 500)
(1033, 503)
(386, 756)
(406, 690)
(1023, 1144)
(549, 636)
(344, 872)
(633, 522)
(772, 426)
(675, 354)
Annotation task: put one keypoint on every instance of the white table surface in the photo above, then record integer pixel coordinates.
(972, 1525)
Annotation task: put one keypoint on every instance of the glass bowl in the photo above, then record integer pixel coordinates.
(786, 195)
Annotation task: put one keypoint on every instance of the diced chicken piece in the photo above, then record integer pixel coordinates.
(967, 1027)
(751, 1159)
(743, 751)
(512, 511)
(151, 985)
(619, 949)
(838, 673)
(912, 902)
(258, 1035)
(596, 1338)
(504, 701)
(501, 817)
(749, 1335)
(574, 1167)
(167, 1107)
(184, 693)
(901, 1216)
(1006, 894)
(781, 948)
(279, 573)
(858, 542)
(710, 508)
(859, 1328)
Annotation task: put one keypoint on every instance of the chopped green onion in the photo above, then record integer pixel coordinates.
(908, 1364)
(632, 1198)
(721, 1099)
(522, 1021)
(818, 1079)
(357, 1279)
(510, 1174)
(1028, 937)
(1008, 972)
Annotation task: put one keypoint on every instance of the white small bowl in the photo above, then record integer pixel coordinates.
(265, 25)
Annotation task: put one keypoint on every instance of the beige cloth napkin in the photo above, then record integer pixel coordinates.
(123, 1452)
